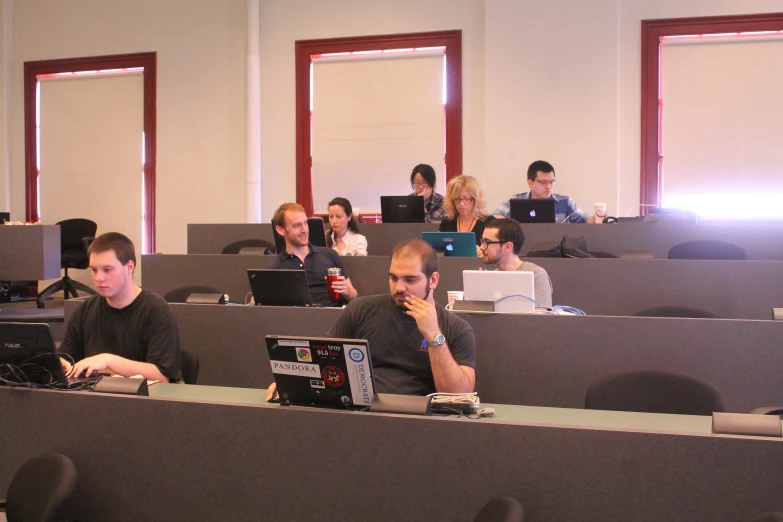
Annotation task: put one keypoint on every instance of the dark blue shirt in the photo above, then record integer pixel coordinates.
(315, 265)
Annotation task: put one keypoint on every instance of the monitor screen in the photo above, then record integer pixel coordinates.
(402, 209)
(458, 244)
(28, 354)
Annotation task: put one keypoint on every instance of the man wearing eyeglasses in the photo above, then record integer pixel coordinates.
(501, 243)
(541, 180)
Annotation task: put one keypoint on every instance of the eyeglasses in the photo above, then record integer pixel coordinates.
(546, 182)
(420, 184)
(486, 242)
(457, 201)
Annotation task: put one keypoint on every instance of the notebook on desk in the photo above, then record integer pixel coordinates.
(319, 371)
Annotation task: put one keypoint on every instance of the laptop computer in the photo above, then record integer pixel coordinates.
(402, 209)
(28, 355)
(458, 244)
(316, 229)
(508, 290)
(319, 371)
(279, 287)
(533, 210)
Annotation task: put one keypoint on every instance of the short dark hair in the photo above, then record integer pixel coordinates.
(348, 209)
(509, 230)
(539, 166)
(118, 243)
(425, 252)
(426, 171)
(279, 218)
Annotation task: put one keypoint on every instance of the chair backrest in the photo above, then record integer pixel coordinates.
(500, 509)
(181, 294)
(40, 489)
(653, 392)
(675, 311)
(708, 249)
(73, 230)
(190, 364)
(235, 247)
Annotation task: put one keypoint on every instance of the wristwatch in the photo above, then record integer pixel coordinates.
(439, 340)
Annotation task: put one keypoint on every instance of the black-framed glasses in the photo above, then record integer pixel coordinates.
(486, 242)
(546, 182)
(457, 201)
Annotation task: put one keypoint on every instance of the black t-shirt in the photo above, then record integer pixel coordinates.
(401, 363)
(450, 225)
(144, 331)
(315, 265)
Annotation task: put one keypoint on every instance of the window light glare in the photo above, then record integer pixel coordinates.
(726, 205)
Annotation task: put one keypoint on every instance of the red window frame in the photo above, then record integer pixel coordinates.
(93, 63)
(451, 40)
(651, 181)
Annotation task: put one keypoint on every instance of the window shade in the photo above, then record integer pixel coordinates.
(374, 119)
(723, 125)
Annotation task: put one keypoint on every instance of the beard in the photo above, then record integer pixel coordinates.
(401, 295)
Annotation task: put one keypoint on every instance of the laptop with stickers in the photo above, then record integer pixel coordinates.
(319, 371)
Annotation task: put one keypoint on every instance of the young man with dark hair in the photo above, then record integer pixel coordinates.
(501, 243)
(417, 346)
(423, 184)
(290, 222)
(124, 328)
(541, 181)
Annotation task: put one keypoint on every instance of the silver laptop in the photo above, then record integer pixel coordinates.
(512, 292)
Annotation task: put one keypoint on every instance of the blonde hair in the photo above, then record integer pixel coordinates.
(452, 192)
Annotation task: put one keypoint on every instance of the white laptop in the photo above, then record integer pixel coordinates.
(508, 290)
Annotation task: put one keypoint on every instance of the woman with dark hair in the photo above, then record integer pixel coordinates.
(423, 183)
(344, 237)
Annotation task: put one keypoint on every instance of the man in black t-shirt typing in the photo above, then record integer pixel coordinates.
(417, 346)
(124, 329)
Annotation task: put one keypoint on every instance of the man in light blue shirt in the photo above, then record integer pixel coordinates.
(541, 180)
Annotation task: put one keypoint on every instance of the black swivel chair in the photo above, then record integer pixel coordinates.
(190, 365)
(40, 489)
(708, 250)
(75, 238)
(675, 311)
(500, 509)
(653, 392)
(265, 247)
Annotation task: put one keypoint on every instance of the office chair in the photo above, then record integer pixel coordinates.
(653, 392)
(75, 238)
(249, 246)
(190, 365)
(708, 249)
(40, 489)
(181, 294)
(500, 509)
(776, 516)
(675, 311)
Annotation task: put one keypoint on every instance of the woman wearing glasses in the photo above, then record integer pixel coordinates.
(344, 237)
(465, 207)
(423, 183)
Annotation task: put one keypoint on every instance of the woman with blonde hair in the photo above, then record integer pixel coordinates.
(465, 207)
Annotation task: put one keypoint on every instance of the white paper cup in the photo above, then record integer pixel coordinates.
(455, 295)
(599, 210)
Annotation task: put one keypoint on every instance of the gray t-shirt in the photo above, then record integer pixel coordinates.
(542, 285)
(401, 363)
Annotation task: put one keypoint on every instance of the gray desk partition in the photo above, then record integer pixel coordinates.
(528, 359)
(761, 241)
(728, 289)
(29, 253)
(205, 453)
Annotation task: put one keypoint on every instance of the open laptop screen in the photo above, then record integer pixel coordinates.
(319, 371)
(279, 287)
(402, 209)
(533, 210)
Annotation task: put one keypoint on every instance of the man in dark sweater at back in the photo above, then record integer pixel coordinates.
(124, 328)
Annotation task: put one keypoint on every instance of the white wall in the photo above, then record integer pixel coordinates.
(282, 23)
(201, 96)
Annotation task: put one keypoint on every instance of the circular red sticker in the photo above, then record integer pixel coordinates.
(333, 376)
